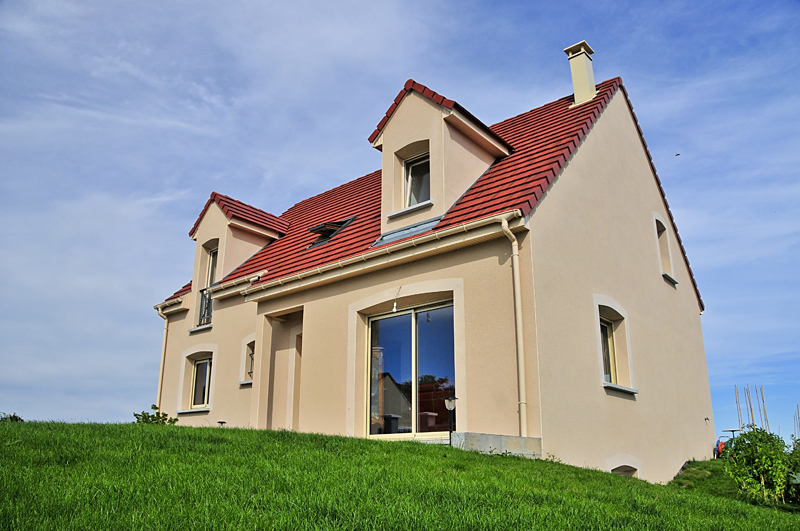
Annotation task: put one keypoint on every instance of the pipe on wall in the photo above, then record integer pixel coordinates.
(163, 359)
(523, 405)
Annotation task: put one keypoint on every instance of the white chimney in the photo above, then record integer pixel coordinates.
(580, 63)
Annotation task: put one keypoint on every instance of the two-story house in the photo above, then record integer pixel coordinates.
(532, 269)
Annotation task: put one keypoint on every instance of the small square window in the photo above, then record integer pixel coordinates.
(418, 180)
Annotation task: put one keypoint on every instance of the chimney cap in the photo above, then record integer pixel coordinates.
(575, 49)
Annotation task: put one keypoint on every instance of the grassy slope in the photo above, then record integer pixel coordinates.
(706, 478)
(90, 476)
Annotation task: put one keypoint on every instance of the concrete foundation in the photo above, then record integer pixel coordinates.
(530, 447)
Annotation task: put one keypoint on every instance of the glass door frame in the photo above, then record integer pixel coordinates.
(414, 310)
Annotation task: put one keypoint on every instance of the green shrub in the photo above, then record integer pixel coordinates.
(793, 463)
(758, 463)
(13, 417)
(155, 418)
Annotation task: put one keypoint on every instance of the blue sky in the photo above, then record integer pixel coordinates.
(117, 120)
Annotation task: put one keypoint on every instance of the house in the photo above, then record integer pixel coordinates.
(532, 269)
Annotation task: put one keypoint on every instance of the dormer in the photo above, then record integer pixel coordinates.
(433, 151)
(227, 233)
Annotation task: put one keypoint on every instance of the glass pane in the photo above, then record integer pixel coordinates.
(605, 335)
(436, 368)
(419, 176)
(201, 369)
(212, 266)
(390, 375)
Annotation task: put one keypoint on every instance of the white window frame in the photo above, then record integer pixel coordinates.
(623, 351)
(213, 256)
(608, 343)
(187, 376)
(408, 164)
(414, 434)
(207, 397)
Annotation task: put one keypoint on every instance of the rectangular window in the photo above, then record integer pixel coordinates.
(201, 383)
(418, 180)
(663, 247)
(609, 355)
(206, 303)
(250, 360)
(412, 370)
(212, 267)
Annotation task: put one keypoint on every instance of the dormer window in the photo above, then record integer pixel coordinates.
(212, 266)
(328, 230)
(418, 180)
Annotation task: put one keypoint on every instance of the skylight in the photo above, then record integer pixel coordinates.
(328, 230)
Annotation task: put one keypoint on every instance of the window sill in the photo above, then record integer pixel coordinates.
(669, 278)
(200, 328)
(620, 388)
(197, 410)
(245, 383)
(408, 210)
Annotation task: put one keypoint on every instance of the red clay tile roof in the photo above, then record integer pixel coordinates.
(413, 86)
(183, 291)
(290, 254)
(543, 139)
(236, 209)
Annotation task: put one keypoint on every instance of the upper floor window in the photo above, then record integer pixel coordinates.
(615, 355)
(418, 180)
(662, 236)
(212, 266)
(609, 354)
(204, 316)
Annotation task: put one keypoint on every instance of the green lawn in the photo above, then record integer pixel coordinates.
(107, 476)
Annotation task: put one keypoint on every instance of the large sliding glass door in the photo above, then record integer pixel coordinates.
(412, 370)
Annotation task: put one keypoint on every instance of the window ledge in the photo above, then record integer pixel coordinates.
(200, 328)
(669, 278)
(620, 388)
(197, 410)
(246, 382)
(408, 210)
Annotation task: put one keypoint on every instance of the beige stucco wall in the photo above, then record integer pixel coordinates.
(233, 326)
(593, 240)
(456, 161)
(333, 375)
(321, 386)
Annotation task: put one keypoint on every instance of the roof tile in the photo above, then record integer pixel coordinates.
(236, 209)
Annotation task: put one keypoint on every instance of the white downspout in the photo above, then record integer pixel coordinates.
(523, 405)
(163, 358)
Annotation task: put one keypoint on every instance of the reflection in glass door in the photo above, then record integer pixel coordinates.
(412, 346)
